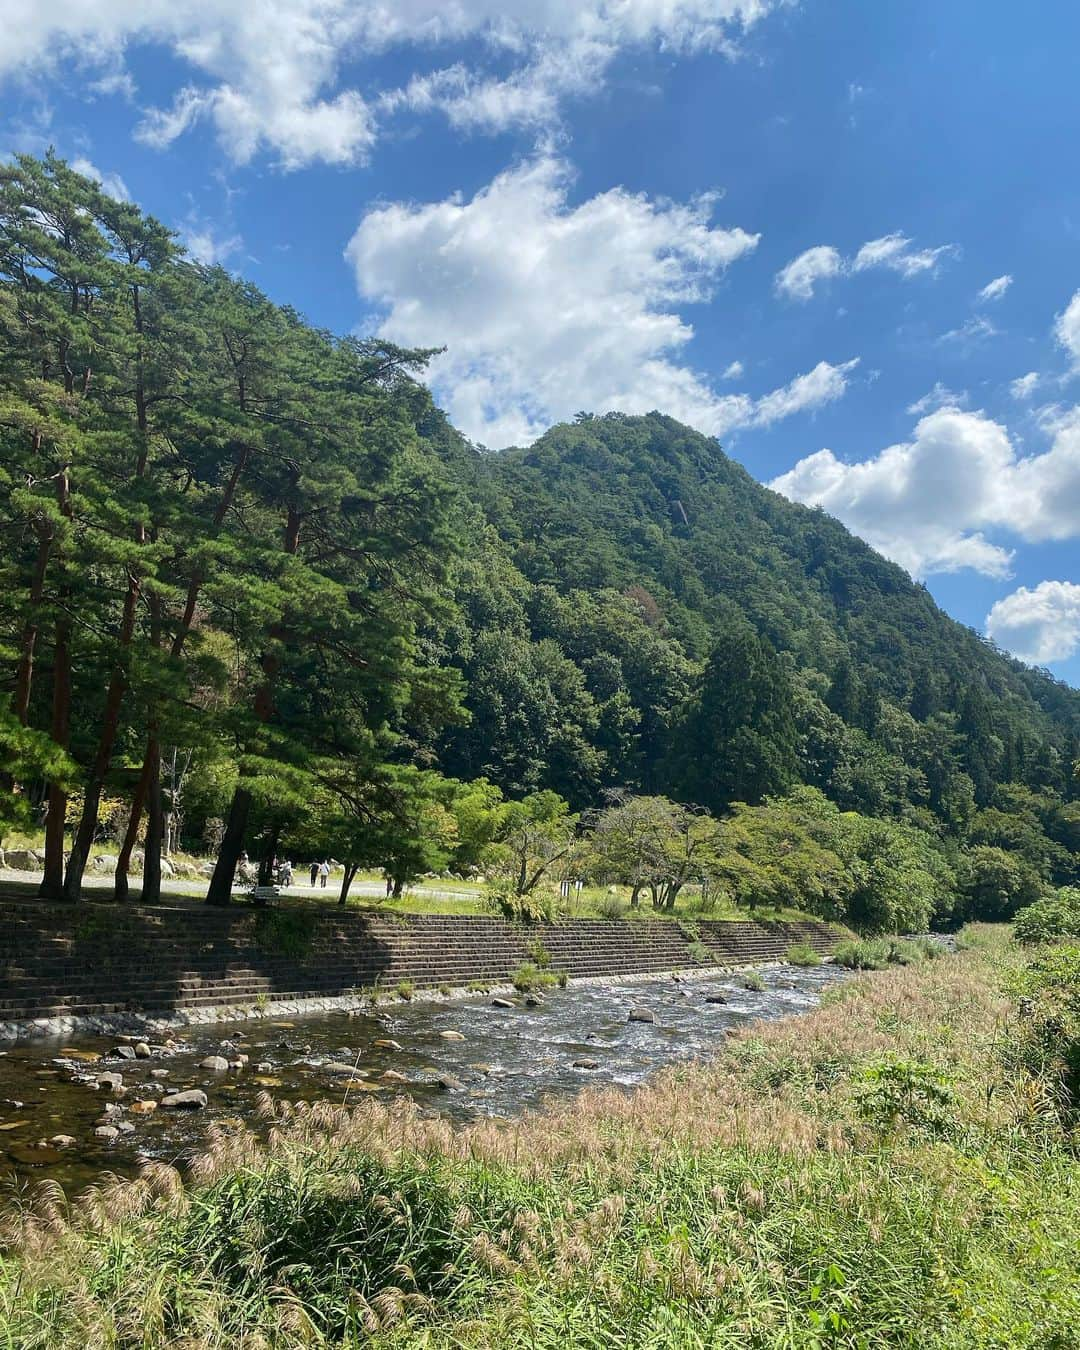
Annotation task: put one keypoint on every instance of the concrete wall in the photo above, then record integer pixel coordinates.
(62, 961)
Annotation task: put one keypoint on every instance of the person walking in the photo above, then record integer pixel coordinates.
(324, 872)
(314, 872)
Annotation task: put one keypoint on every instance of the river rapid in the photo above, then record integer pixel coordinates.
(463, 1057)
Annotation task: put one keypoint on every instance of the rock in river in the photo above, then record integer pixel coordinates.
(503, 1003)
(641, 1015)
(216, 1062)
(451, 1035)
(110, 1080)
(142, 1108)
(142, 1050)
(184, 1101)
(586, 1064)
(124, 1052)
(106, 1132)
(716, 998)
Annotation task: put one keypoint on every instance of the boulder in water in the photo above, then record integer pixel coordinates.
(191, 1100)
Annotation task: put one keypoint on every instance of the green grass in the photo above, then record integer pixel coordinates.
(802, 954)
(821, 1186)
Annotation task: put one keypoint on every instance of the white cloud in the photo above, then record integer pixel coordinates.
(938, 397)
(797, 280)
(894, 251)
(733, 372)
(824, 384)
(976, 329)
(1067, 328)
(1024, 385)
(206, 244)
(928, 502)
(278, 76)
(994, 290)
(547, 308)
(111, 183)
(1038, 625)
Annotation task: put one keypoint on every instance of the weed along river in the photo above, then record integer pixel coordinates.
(73, 1109)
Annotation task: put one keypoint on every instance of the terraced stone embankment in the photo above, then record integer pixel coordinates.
(65, 967)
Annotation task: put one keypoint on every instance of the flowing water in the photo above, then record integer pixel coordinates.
(494, 1060)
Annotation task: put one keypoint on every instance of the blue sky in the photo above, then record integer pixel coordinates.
(841, 236)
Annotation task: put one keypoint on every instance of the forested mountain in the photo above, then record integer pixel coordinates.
(257, 591)
(650, 567)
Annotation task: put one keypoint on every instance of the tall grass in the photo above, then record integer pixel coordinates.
(870, 1175)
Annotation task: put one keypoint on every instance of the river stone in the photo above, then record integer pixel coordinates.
(125, 1127)
(386, 1045)
(107, 1132)
(142, 1108)
(142, 1050)
(341, 1070)
(451, 1035)
(641, 1015)
(264, 1067)
(392, 1076)
(191, 1100)
(502, 1003)
(448, 1082)
(124, 1052)
(110, 1080)
(533, 1001)
(241, 1060)
(716, 998)
(586, 1064)
(216, 1062)
(22, 860)
(159, 1073)
(63, 1141)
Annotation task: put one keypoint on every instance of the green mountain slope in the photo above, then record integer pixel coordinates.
(631, 549)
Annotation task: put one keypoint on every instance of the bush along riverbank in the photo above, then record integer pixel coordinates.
(894, 1169)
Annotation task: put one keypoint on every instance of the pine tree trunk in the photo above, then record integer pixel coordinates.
(25, 674)
(84, 835)
(346, 881)
(151, 887)
(266, 863)
(220, 889)
(138, 801)
(52, 883)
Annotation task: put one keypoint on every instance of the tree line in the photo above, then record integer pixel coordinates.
(257, 593)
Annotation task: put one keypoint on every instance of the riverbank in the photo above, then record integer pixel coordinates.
(872, 1174)
(66, 970)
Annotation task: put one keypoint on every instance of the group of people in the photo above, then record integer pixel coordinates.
(282, 872)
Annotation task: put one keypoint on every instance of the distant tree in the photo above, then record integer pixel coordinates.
(737, 740)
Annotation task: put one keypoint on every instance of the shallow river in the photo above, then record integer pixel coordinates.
(495, 1060)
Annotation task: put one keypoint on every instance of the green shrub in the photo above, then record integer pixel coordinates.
(611, 907)
(529, 977)
(538, 953)
(533, 907)
(802, 954)
(1050, 920)
(700, 953)
(906, 1092)
(405, 989)
(1045, 1043)
(880, 953)
(752, 980)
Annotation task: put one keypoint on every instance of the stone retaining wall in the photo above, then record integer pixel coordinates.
(66, 965)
